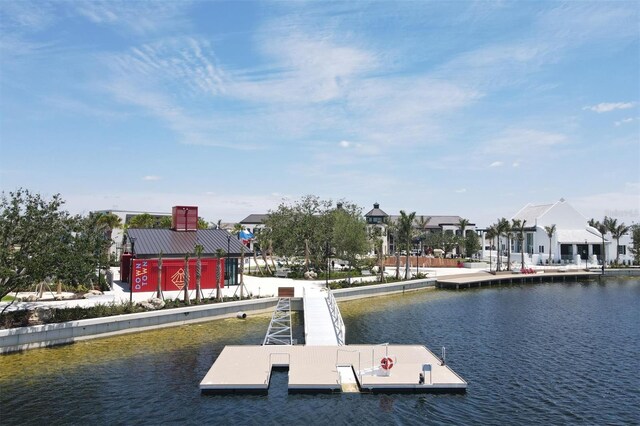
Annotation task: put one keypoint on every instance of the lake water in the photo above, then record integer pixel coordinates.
(532, 354)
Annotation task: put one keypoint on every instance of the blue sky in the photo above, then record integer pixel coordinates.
(470, 108)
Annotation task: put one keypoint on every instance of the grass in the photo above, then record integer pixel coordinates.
(8, 298)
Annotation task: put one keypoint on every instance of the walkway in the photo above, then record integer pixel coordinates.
(321, 328)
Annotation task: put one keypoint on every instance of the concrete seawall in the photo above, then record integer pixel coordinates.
(18, 339)
(39, 336)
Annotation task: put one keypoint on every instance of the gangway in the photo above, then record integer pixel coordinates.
(279, 331)
(323, 325)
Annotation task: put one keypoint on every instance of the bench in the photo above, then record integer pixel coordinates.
(282, 273)
(286, 291)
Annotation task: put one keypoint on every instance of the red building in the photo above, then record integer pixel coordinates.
(140, 263)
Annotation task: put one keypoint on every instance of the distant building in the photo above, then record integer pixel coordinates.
(376, 217)
(573, 241)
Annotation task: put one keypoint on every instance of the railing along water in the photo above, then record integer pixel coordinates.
(336, 318)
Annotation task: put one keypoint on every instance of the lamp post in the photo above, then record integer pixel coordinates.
(586, 255)
(226, 265)
(326, 277)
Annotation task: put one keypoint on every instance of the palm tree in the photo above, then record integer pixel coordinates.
(617, 233)
(550, 230)
(186, 280)
(375, 235)
(198, 252)
(109, 222)
(491, 235)
(503, 228)
(220, 253)
(405, 231)
(159, 289)
(602, 229)
(392, 230)
(422, 224)
(462, 224)
(518, 226)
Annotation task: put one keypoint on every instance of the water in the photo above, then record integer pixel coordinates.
(532, 354)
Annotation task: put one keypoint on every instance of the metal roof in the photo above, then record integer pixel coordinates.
(150, 242)
(256, 219)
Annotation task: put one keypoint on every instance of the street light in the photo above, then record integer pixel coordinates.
(586, 255)
(226, 266)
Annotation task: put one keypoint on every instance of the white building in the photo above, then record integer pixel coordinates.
(574, 241)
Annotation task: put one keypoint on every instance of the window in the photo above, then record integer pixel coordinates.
(622, 250)
(540, 249)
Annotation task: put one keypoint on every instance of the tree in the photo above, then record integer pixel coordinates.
(422, 224)
(219, 255)
(491, 235)
(159, 289)
(635, 243)
(349, 234)
(405, 235)
(602, 228)
(471, 243)
(550, 230)
(144, 220)
(202, 224)
(186, 280)
(376, 234)
(617, 232)
(518, 227)
(462, 225)
(38, 240)
(198, 252)
(109, 222)
(503, 228)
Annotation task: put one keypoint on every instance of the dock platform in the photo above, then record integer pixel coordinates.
(247, 369)
(483, 279)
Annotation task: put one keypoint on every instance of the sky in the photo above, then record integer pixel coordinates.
(469, 108)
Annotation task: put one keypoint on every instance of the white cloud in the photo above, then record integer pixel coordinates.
(133, 16)
(625, 121)
(609, 106)
(461, 190)
(344, 144)
(515, 164)
(496, 164)
(151, 178)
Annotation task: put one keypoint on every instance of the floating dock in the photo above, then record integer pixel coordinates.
(247, 369)
(325, 363)
(504, 278)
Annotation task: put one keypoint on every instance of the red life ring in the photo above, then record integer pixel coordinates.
(386, 363)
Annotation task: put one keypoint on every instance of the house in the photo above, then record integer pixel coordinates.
(573, 241)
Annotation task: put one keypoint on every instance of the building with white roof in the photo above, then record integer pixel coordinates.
(573, 241)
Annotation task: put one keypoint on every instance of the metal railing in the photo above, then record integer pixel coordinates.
(279, 331)
(336, 318)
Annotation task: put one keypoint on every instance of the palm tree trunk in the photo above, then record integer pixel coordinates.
(186, 282)
(218, 274)
(617, 251)
(255, 259)
(159, 287)
(508, 253)
(198, 278)
(549, 251)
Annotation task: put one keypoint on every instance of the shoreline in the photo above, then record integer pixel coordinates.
(47, 335)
